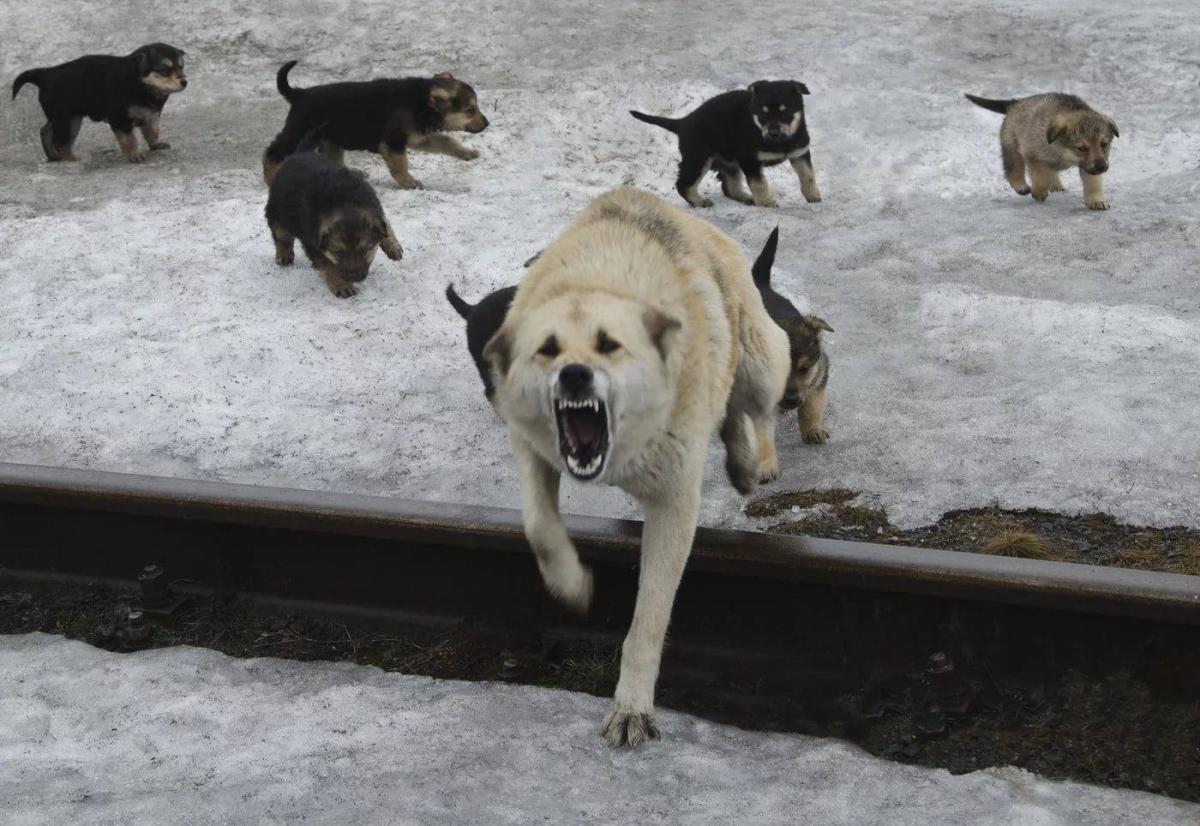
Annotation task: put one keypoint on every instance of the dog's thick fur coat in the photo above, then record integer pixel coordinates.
(1047, 134)
(125, 92)
(633, 337)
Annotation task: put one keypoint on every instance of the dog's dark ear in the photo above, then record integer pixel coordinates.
(1112, 124)
(757, 86)
(498, 351)
(818, 324)
(659, 327)
(444, 76)
(801, 88)
(142, 60)
(1057, 128)
(441, 95)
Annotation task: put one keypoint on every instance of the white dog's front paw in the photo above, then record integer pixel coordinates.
(1097, 203)
(625, 725)
(570, 584)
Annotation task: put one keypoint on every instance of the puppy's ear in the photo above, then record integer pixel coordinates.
(818, 324)
(1112, 124)
(801, 88)
(498, 351)
(1057, 128)
(659, 327)
(441, 96)
(142, 60)
(756, 87)
(444, 76)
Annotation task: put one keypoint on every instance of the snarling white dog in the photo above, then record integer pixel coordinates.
(634, 335)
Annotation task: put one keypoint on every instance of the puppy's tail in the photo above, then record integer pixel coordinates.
(461, 307)
(765, 261)
(281, 82)
(28, 76)
(1001, 106)
(670, 124)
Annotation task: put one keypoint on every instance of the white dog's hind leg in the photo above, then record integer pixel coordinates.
(666, 542)
(565, 577)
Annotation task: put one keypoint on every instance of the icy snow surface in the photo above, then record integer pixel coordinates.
(988, 349)
(87, 736)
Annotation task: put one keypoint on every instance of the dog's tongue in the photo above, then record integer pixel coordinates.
(584, 428)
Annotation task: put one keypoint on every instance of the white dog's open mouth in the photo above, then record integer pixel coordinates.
(582, 435)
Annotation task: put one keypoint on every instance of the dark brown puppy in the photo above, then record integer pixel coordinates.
(810, 366)
(387, 116)
(124, 91)
(483, 320)
(333, 212)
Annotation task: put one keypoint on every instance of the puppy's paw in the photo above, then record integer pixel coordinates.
(628, 726)
(392, 249)
(1022, 190)
(155, 147)
(1040, 195)
(742, 479)
(1058, 187)
(768, 471)
(814, 437)
(411, 183)
(1097, 203)
(468, 154)
(571, 584)
(769, 203)
(345, 291)
(285, 259)
(137, 156)
(813, 197)
(701, 203)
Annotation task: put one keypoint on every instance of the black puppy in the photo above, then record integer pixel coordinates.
(743, 131)
(483, 320)
(333, 212)
(385, 116)
(124, 91)
(809, 374)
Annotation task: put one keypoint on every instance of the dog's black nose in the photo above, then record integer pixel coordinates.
(183, 83)
(1098, 167)
(485, 122)
(791, 401)
(575, 377)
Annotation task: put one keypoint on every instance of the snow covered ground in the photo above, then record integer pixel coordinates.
(92, 737)
(988, 350)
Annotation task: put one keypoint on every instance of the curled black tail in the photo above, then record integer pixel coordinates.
(766, 260)
(1001, 106)
(281, 82)
(28, 76)
(461, 307)
(670, 124)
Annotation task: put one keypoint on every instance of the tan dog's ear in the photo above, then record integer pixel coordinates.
(440, 97)
(818, 324)
(444, 76)
(1057, 129)
(659, 326)
(1112, 124)
(498, 351)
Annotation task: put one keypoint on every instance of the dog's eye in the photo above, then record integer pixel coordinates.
(549, 348)
(163, 70)
(606, 345)
(1081, 148)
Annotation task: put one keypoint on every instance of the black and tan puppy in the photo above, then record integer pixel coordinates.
(742, 132)
(333, 212)
(1048, 133)
(483, 320)
(387, 116)
(809, 374)
(124, 91)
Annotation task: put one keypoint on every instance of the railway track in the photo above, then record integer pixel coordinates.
(936, 657)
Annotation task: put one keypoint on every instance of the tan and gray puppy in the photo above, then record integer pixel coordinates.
(1047, 134)
(633, 337)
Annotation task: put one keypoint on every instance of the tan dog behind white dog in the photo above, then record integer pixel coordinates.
(634, 335)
